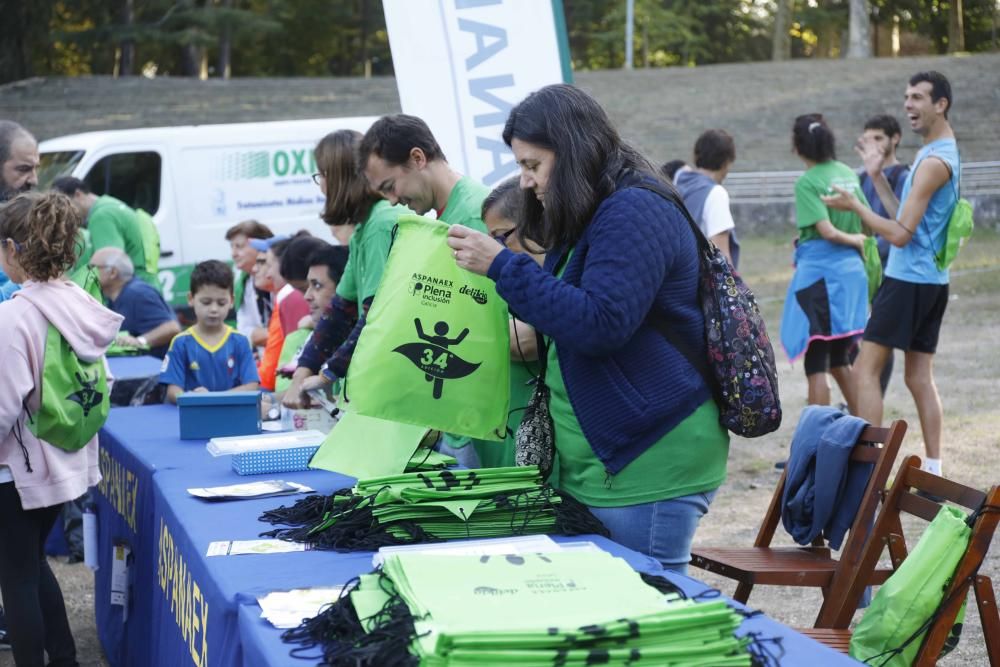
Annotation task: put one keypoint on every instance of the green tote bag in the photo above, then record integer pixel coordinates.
(435, 348)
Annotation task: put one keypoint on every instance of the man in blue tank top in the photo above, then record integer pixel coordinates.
(910, 305)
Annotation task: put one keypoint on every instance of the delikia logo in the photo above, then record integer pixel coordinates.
(478, 295)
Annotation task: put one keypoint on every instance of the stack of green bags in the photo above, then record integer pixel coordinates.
(573, 607)
(433, 506)
(426, 458)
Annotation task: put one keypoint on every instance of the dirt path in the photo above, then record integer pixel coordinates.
(967, 371)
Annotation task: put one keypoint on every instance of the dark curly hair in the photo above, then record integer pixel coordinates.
(44, 228)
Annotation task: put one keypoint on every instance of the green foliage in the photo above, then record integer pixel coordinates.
(349, 38)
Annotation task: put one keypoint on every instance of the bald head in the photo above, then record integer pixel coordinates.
(18, 160)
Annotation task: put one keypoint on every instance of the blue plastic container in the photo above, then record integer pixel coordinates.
(215, 414)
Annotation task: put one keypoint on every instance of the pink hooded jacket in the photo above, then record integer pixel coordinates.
(56, 475)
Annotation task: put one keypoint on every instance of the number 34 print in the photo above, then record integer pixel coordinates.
(434, 358)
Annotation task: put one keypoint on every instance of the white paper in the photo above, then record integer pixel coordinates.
(486, 547)
(270, 487)
(241, 547)
(287, 609)
(264, 441)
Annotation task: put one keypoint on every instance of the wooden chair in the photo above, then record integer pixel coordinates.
(888, 533)
(811, 566)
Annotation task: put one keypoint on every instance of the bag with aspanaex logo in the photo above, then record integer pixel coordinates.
(435, 350)
(74, 400)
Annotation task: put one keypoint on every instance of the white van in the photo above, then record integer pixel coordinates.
(199, 180)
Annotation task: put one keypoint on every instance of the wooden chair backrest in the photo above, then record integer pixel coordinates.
(866, 450)
(888, 532)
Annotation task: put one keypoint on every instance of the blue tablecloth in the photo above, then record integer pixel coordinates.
(186, 608)
(137, 380)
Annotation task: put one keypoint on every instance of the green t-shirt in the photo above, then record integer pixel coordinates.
(369, 249)
(113, 224)
(689, 459)
(84, 250)
(464, 207)
(290, 350)
(465, 204)
(810, 209)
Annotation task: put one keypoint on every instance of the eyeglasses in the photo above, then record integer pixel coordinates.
(501, 237)
(317, 176)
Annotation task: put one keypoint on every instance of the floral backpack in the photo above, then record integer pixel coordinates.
(739, 367)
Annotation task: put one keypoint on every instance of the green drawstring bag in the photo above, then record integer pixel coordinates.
(873, 266)
(74, 396)
(435, 348)
(960, 226)
(893, 627)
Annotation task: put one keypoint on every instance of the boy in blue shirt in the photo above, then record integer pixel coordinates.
(211, 355)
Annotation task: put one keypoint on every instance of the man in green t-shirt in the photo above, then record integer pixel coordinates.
(111, 223)
(404, 163)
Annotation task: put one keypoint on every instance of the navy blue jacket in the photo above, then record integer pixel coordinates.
(823, 489)
(628, 386)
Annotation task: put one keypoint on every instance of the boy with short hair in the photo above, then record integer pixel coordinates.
(211, 355)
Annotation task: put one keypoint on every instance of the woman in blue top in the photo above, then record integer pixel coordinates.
(636, 429)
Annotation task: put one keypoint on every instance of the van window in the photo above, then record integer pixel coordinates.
(54, 165)
(133, 178)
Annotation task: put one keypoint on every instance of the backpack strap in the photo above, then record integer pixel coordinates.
(656, 317)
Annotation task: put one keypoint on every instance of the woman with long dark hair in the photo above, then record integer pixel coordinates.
(827, 302)
(636, 429)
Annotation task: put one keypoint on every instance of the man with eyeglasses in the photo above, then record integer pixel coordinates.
(149, 321)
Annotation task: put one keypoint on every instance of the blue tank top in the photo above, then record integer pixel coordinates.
(914, 262)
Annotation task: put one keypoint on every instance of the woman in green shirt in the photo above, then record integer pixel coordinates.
(349, 204)
(827, 302)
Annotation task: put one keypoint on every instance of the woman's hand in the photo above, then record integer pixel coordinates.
(842, 201)
(473, 251)
(859, 243)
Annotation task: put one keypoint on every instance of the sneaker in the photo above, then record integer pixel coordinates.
(4, 642)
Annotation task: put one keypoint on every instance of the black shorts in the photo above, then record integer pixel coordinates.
(907, 315)
(822, 355)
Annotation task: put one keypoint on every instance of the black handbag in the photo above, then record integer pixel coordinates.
(535, 440)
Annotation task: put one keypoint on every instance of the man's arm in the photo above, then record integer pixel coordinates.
(721, 241)
(928, 178)
(162, 334)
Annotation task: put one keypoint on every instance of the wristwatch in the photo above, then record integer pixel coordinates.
(142, 341)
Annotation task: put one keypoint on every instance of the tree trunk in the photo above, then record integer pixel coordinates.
(781, 41)
(956, 28)
(859, 28)
(224, 66)
(126, 64)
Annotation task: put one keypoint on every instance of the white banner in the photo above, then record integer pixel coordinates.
(461, 65)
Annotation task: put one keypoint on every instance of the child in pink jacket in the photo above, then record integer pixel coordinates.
(37, 246)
